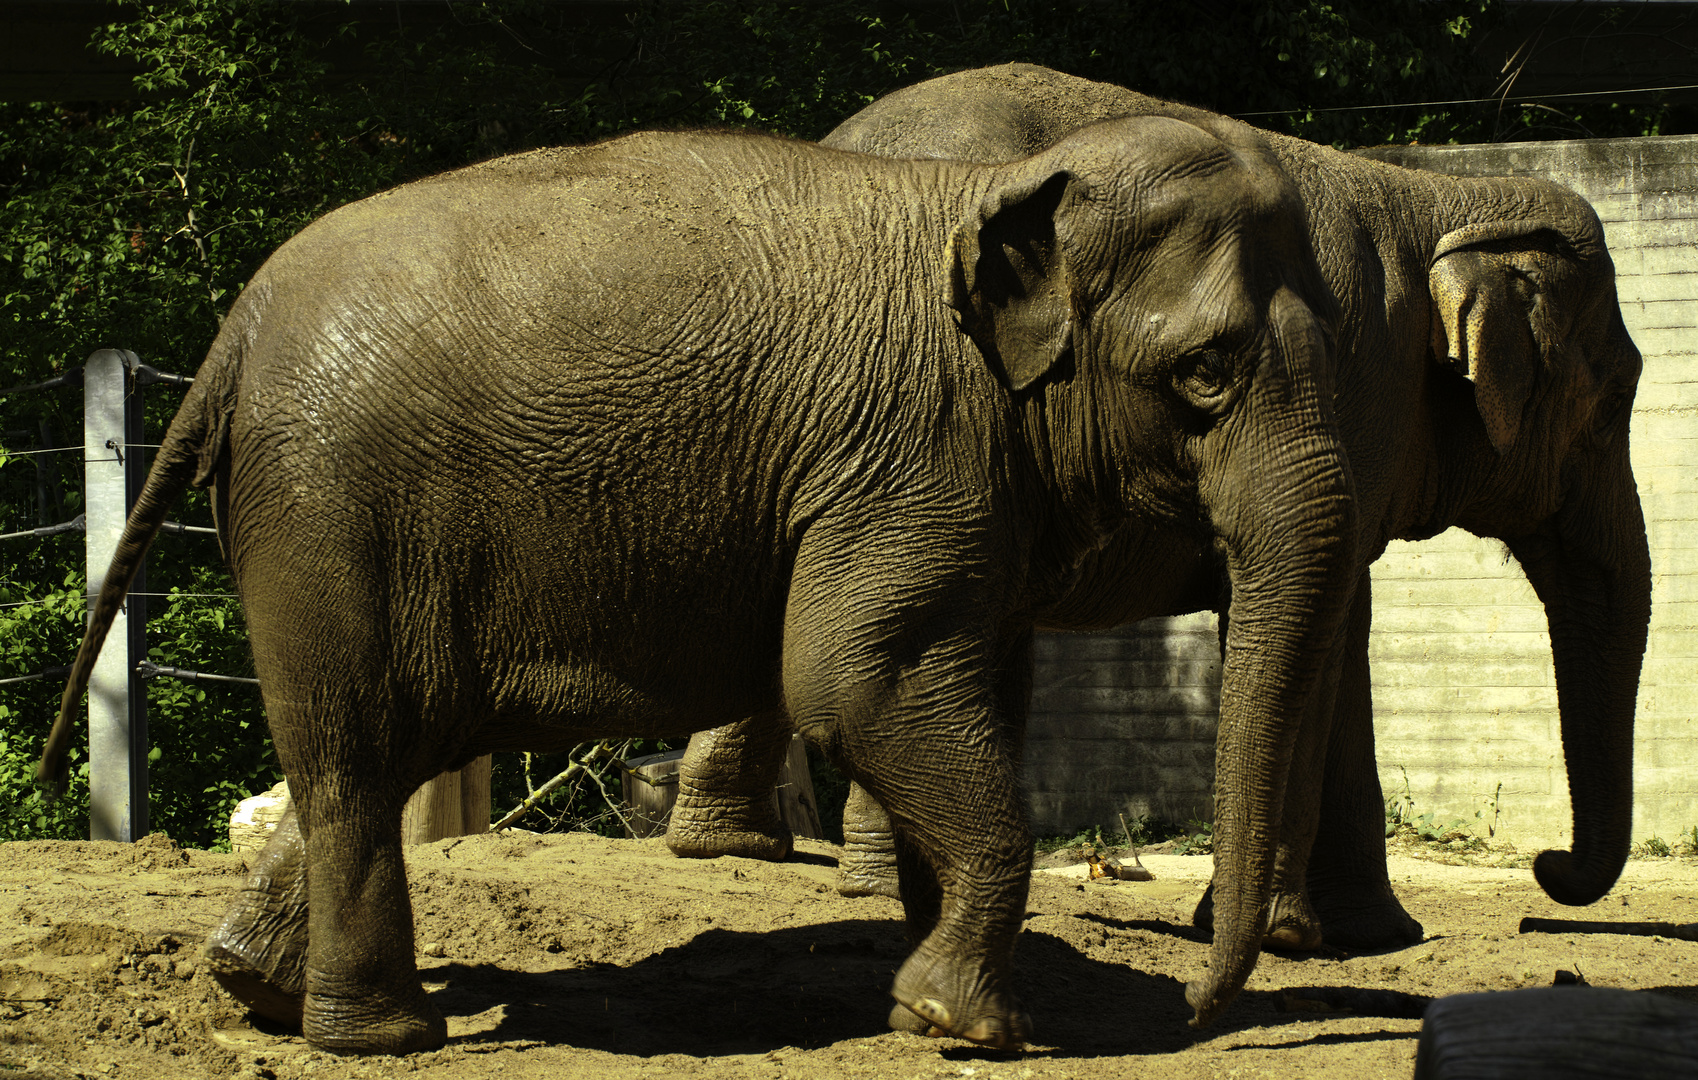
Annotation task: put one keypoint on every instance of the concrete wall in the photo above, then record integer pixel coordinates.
(1124, 722)
(1464, 694)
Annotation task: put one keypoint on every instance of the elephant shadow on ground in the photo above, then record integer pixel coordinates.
(735, 992)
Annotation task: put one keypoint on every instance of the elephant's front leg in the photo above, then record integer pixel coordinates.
(906, 702)
(725, 804)
(258, 954)
(1291, 922)
(1330, 882)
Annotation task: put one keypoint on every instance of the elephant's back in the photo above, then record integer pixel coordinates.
(991, 114)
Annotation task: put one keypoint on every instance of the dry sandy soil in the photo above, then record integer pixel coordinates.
(568, 956)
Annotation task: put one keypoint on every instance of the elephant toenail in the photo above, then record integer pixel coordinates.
(932, 1009)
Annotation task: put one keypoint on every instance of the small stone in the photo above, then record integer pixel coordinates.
(184, 969)
(435, 948)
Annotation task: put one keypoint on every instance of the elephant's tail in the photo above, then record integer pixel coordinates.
(194, 448)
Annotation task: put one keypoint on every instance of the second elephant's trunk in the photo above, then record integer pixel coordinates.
(1591, 567)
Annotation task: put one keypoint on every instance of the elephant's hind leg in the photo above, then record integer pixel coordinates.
(725, 804)
(355, 741)
(363, 994)
(1348, 883)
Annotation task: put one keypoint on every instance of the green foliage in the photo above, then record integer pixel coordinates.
(1653, 847)
(831, 792)
(1195, 837)
(1198, 838)
(135, 223)
(1092, 837)
(1402, 820)
(34, 636)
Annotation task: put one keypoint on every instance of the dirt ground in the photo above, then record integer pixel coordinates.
(568, 956)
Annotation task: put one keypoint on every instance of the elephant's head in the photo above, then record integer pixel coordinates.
(1146, 291)
(1540, 391)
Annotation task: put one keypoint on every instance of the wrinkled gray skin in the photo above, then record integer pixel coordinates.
(645, 437)
(1485, 381)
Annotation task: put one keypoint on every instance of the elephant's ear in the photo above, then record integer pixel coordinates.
(1482, 319)
(1008, 279)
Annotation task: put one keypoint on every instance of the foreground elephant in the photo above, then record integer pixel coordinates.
(1485, 381)
(643, 437)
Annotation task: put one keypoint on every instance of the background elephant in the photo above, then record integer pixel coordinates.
(651, 435)
(1485, 381)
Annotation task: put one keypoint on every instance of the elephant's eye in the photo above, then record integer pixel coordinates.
(1203, 378)
(1611, 413)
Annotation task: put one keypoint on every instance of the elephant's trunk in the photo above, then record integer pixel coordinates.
(1591, 566)
(1283, 503)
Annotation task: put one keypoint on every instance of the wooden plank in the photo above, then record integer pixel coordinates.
(649, 786)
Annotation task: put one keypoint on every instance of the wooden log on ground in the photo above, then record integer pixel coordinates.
(254, 819)
(1675, 931)
(1558, 1032)
(453, 804)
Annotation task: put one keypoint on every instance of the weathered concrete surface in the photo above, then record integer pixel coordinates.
(1464, 693)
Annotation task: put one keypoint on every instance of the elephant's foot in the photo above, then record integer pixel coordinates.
(901, 1019)
(1349, 922)
(868, 865)
(725, 804)
(868, 871)
(403, 1023)
(1292, 926)
(708, 836)
(258, 953)
(706, 825)
(959, 999)
(279, 1001)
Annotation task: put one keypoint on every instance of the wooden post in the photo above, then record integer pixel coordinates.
(794, 794)
(453, 804)
(649, 788)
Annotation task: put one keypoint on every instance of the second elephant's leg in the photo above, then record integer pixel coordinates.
(1347, 879)
(725, 804)
(869, 865)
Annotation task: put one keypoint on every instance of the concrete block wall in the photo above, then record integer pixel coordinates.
(1124, 722)
(1464, 693)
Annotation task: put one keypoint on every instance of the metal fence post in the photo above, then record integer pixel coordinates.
(117, 701)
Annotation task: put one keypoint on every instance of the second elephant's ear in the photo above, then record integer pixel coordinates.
(1008, 279)
(1482, 319)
